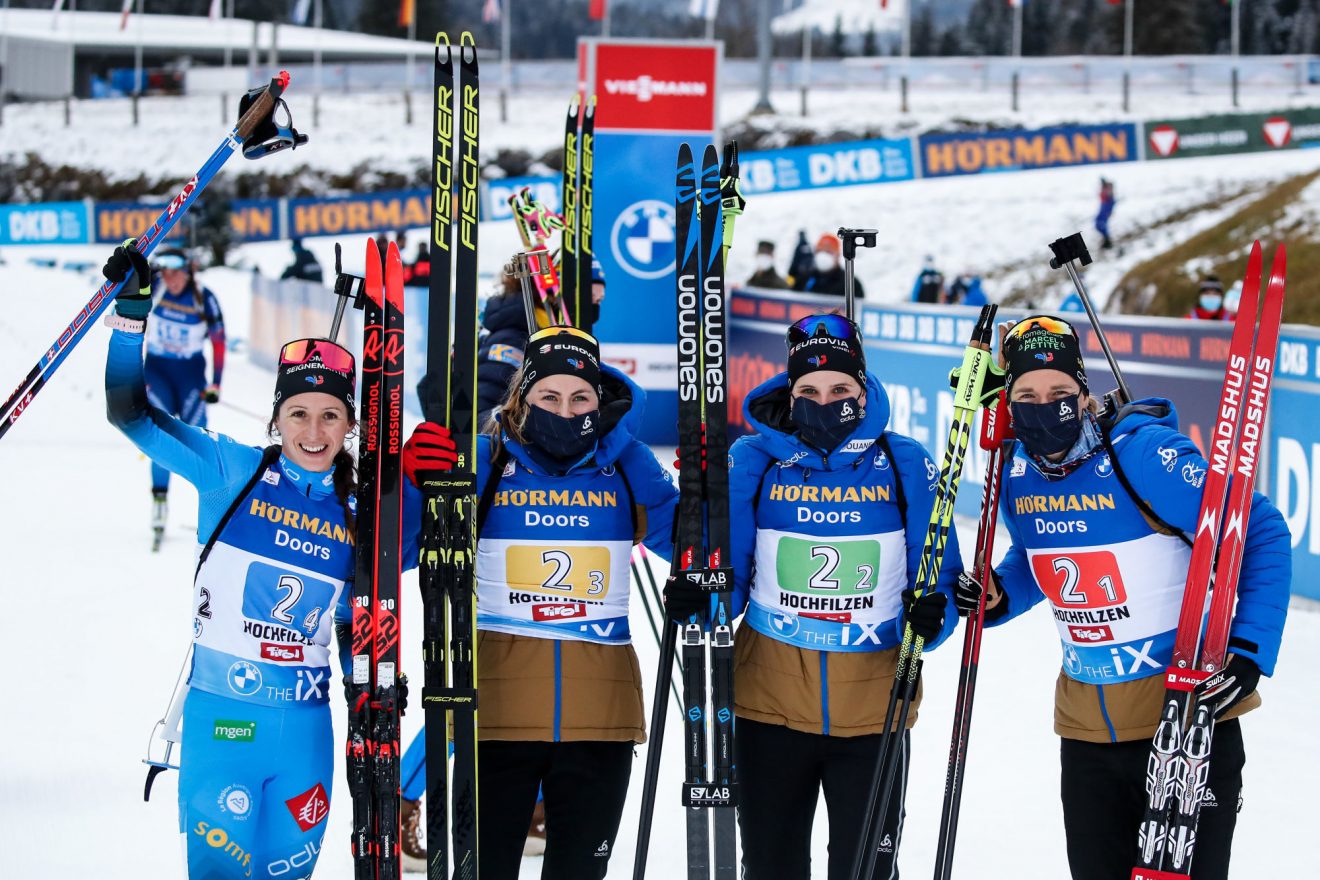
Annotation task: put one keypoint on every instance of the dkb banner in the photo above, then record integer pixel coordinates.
(912, 348)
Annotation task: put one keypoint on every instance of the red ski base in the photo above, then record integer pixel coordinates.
(1152, 874)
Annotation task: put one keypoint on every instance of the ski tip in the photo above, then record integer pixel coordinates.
(467, 41)
(1279, 268)
(372, 274)
(394, 276)
(441, 39)
(591, 105)
(574, 103)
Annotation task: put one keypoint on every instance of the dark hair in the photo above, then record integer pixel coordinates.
(345, 473)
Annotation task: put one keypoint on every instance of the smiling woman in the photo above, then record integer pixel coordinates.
(277, 533)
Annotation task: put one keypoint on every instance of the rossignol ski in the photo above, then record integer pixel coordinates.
(995, 433)
(967, 399)
(258, 136)
(700, 558)
(376, 689)
(448, 541)
(1179, 762)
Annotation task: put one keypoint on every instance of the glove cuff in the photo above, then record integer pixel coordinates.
(116, 321)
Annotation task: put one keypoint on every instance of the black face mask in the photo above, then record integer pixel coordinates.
(1047, 428)
(563, 439)
(826, 425)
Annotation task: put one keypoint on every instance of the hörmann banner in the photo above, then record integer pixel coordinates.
(1233, 133)
(912, 348)
(943, 155)
(651, 97)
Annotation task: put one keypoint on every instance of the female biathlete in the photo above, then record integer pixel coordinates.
(1099, 515)
(829, 513)
(277, 530)
(566, 490)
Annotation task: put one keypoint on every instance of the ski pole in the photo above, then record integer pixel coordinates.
(732, 203)
(344, 291)
(167, 729)
(966, 400)
(261, 107)
(852, 240)
(1067, 252)
(995, 432)
(651, 616)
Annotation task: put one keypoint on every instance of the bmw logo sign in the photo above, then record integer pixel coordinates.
(643, 240)
(244, 678)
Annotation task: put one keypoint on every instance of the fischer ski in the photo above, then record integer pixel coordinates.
(1179, 762)
(258, 136)
(448, 540)
(971, 377)
(585, 313)
(568, 202)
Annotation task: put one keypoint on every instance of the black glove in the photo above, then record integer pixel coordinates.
(682, 600)
(924, 613)
(128, 264)
(1235, 683)
(211, 394)
(967, 594)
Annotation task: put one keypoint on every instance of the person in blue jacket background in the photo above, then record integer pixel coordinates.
(828, 511)
(1113, 565)
(277, 534)
(566, 489)
(185, 317)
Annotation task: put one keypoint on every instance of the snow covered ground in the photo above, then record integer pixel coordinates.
(98, 625)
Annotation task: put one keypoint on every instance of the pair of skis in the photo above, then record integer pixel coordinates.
(971, 377)
(375, 689)
(576, 197)
(253, 125)
(1179, 763)
(449, 526)
(701, 545)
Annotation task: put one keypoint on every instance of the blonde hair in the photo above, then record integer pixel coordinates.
(511, 415)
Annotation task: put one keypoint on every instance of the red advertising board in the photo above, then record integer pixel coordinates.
(649, 87)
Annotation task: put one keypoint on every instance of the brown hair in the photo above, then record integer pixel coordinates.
(511, 415)
(345, 471)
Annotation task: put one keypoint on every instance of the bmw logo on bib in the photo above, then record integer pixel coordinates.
(785, 624)
(244, 678)
(643, 239)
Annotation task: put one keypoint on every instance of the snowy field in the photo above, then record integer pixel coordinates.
(99, 671)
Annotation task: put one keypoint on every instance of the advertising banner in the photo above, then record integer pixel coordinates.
(651, 97)
(112, 222)
(846, 164)
(495, 195)
(912, 348)
(377, 212)
(943, 155)
(47, 223)
(256, 219)
(1233, 133)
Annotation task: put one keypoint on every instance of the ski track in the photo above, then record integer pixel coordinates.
(98, 671)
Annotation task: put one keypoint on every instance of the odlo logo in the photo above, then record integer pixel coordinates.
(1064, 408)
(887, 845)
(847, 410)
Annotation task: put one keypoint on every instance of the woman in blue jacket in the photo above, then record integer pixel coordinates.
(829, 513)
(1099, 515)
(276, 528)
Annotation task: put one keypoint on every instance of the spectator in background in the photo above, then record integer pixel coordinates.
(929, 286)
(304, 265)
(1210, 301)
(382, 245)
(1102, 216)
(799, 270)
(966, 290)
(418, 273)
(827, 270)
(765, 274)
(401, 241)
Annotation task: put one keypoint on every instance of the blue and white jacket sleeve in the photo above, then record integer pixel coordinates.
(914, 467)
(1265, 581)
(654, 489)
(747, 466)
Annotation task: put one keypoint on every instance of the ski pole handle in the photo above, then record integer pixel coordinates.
(853, 239)
(1068, 251)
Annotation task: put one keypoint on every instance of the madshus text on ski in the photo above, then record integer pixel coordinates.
(813, 562)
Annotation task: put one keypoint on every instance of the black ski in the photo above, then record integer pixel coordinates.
(568, 201)
(587, 147)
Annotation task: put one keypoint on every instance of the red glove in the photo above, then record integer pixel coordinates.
(430, 448)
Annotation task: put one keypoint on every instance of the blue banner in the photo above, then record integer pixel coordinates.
(943, 155)
(1291, 476)
(826, 165)
(47, 223)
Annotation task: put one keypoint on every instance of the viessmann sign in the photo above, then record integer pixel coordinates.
(655, 88)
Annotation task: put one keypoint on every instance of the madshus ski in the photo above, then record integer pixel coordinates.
(1179, 762)
(375, 688)
(449, 536)
(700, 559)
